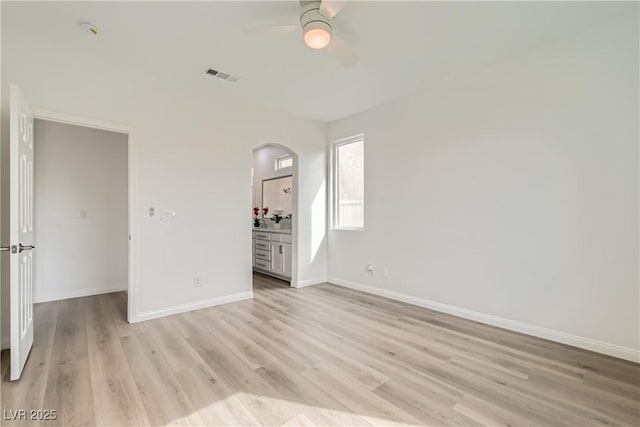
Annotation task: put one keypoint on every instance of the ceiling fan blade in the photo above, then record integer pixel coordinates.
(341, 50)
(272, 29)
(330, 8)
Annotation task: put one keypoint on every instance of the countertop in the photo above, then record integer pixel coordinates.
(273, 230)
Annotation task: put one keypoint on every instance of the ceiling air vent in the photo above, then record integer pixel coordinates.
(220, 75)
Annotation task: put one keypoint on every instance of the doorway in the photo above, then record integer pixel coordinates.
(81, 207)
(20, 201)
(274, 189)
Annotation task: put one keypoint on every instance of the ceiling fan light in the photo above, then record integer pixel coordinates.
(317, 35)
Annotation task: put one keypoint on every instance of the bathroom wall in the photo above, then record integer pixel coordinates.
(264, 162)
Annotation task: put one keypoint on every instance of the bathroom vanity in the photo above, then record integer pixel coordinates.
(272, 252)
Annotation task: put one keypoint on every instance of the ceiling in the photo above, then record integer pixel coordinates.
(402, 45)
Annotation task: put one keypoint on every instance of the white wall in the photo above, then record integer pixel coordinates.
(510, 195)
(189, 154)
(79, 169)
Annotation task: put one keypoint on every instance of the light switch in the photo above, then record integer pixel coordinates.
(168, 215)
(83, 214)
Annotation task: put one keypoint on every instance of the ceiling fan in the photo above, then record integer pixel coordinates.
(316, 21)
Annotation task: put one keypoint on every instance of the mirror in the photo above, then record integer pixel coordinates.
(277, 195)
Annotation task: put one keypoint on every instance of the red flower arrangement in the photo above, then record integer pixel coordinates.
(256, 220)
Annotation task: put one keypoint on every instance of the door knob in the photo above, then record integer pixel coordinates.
(22, 247)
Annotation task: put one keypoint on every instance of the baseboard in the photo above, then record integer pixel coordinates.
(310, 282)
(77, 294)
(154, 314)
(512, 325)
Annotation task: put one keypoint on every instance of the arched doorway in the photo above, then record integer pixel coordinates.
(274, 185)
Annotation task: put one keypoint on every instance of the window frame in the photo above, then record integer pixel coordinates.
(279, 159)
(335, 180)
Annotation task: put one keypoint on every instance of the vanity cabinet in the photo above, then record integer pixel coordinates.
(272, 253)
(281, 259)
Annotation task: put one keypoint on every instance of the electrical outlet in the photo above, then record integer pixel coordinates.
(385, 272)
(197, 281)
(84, 214)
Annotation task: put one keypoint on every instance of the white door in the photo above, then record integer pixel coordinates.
(21, 230)
(277, 265)
(286, 260)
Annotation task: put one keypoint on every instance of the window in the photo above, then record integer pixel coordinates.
(284, 162)
(348, 183)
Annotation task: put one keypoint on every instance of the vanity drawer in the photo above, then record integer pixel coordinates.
(261, 235)
(261, 244)
(262, 254)
(286, 238)
(262, 264)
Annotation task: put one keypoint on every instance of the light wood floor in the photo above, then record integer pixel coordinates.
(321, 355)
